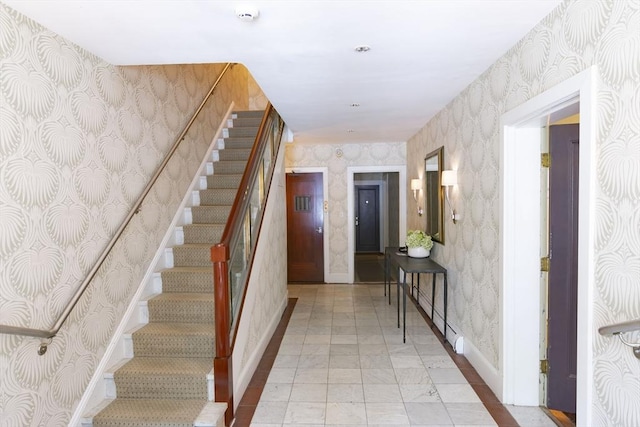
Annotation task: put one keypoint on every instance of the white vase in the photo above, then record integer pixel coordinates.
(418, 252)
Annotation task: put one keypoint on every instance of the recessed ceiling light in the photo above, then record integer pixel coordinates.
(363, 48)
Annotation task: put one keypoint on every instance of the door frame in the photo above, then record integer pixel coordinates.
(402, 206)
(325, 217)
(521, 133)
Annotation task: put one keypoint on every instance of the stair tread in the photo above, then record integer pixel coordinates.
(176, 328)
(153, 412)
(205, 225)
(193, 245)
(167, 366)
(188, 269)
(184, 296)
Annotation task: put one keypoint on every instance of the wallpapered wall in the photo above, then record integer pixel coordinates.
(575, 36)
(79, 139)
(324, 155)
(268, 281)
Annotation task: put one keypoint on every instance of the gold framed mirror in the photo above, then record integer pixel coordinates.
(434, 196)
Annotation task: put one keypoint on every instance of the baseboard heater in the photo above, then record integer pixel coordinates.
(453, 335)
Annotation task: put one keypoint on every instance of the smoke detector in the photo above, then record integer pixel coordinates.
(247, 13)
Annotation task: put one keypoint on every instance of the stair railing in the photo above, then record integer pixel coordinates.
(48, 334)
(621, 328)
(233, 256)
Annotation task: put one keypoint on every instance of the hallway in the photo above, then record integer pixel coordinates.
(341, 361)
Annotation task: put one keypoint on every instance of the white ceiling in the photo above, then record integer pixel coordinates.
(423, 52)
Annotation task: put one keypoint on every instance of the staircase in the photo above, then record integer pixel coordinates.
(169, 380)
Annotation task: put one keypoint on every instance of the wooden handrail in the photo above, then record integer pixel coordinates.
(50, 333)
(225, 326)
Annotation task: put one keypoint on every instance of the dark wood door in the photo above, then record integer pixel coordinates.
(305, 222)
(563, 272)
(367, 218)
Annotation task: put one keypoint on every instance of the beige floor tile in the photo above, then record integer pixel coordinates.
(342, 362)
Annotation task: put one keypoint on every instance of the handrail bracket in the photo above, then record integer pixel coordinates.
(619, 329)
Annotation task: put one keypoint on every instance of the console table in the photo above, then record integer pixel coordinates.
(393, 257)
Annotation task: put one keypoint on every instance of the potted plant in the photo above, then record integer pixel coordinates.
(418, 243)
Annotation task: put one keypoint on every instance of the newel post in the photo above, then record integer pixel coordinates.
(222, 366)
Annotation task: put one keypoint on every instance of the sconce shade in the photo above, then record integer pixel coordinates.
(416, 184)
(449, 178)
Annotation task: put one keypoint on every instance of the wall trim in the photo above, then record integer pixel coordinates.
(483, 367)
(520, 241)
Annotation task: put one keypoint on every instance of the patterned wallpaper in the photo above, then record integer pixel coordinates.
(79, 139)
(325, 155)
(257, 98)
(575, 36)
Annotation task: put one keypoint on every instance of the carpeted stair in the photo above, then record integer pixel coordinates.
(168, 382)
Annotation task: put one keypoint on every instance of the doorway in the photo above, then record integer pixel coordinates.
(367, 240)
(522, 128)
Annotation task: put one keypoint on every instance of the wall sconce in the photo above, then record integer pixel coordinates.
(416, 185)
(449, 178)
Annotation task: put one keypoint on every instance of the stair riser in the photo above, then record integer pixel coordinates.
(181, 311)
(210, 214)
(239, 143)
(217, 196)
(203, 233)
(249, 114)
(228, 181)
(231, 153)
(247, 122)
(174, 282)
(153, 345)
(192, 257)
(243, 131)
(140, 386)
(230, 167)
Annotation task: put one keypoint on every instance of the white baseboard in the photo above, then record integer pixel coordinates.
(337, 278)
(485, 369)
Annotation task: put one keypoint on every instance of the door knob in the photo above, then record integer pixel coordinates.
(319, 230)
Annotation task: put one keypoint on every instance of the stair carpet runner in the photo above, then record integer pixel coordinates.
(165, 383)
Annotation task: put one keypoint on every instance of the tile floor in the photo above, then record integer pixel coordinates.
(342, 362)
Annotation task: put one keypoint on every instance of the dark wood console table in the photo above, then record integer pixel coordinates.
(393, 257)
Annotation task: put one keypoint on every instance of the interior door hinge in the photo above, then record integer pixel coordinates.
(544, 366)
(545, 263)
(545, 160)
